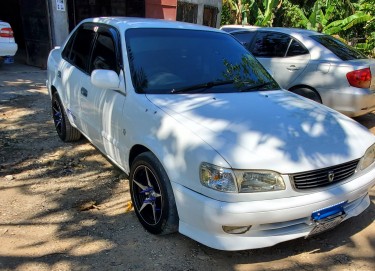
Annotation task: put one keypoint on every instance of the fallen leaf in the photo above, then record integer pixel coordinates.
(128, 206)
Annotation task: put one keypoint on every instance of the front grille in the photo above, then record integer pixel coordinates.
(322, 177)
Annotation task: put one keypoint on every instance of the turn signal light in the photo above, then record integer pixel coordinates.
(359, 78)
(6, 32)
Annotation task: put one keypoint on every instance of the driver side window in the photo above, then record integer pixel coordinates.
(104, 53)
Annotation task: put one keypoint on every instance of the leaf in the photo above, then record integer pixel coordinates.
(355, 19)
(128, 206)
(313, 18)
(345, 24)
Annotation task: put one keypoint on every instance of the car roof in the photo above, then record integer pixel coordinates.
(317, 50)
(124, 23)
(286, 30)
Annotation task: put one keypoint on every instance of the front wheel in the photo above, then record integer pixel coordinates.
(152, 195)
(64, 129)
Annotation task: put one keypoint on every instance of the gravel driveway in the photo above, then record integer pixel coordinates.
(65, 207)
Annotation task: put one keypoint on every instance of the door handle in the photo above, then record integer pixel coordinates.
(84, 92)
(292, 68)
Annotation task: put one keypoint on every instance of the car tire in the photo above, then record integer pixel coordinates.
(307, 93)
(152, 195)
(64, 129)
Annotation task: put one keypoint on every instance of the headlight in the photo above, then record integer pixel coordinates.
(259, 181)
(227, 180)
(368, 158)
(218, 178)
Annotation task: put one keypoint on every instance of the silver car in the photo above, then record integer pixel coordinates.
(314, 65)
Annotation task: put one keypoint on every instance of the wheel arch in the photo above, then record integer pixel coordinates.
(302, 86)
(135, 151)
(53, 90)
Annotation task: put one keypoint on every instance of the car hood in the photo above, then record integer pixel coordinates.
(269, 130)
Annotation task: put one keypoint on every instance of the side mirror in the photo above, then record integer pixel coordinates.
(105, 79)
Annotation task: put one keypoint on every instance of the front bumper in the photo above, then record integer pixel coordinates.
(272, 221)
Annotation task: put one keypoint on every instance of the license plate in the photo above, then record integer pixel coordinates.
(8, 60)
(327, 218)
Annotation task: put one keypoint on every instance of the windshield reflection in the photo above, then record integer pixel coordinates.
(164, 61)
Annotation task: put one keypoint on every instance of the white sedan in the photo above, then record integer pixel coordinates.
(214, 148)
(8, 47)
(314, 65)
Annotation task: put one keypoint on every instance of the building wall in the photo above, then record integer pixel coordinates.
(201, 4)
(59, 23)
(161, 9)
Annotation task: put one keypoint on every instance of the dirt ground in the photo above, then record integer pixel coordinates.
(65, 207)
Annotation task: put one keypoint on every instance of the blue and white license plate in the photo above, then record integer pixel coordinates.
(8, 60)
(327, 218)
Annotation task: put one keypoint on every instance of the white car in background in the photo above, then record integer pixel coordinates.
(213, 147)
(314, 65)
(8, 46)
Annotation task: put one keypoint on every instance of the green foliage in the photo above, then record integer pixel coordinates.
(347, 23)
(353, 20)
(255, 12)
(367, 43)
(226, 15)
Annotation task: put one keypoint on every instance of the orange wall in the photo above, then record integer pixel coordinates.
(161, 9)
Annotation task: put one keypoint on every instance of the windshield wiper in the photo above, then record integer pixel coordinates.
(204, 86)
(255, 87)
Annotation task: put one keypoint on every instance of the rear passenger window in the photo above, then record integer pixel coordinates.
(104, 54)
(79, 55)
(245, 38)
(296, 49)
(270, 44)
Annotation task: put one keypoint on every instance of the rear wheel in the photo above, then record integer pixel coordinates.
(307, 93)
(152, 195)
(64, 129)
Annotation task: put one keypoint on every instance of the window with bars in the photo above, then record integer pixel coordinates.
(210, 16)
(187, 12)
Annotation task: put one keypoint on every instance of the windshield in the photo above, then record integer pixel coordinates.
(175, 61)
(340, 49)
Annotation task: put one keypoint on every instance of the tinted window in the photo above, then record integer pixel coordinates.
(68, 47)
(231, 29)
(80, 52)
(296, 49)
(270, 44)
(245, 38)
(340, 49)
(104, 53)
(165, 60)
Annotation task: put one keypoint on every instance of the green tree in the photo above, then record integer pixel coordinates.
(255, 12)
(352, 20)
(366, 41)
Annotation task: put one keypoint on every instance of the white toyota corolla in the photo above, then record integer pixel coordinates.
(212, 145)
(8, 46)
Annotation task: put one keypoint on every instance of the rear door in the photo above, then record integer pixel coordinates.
(73, 71)
(285, 57)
